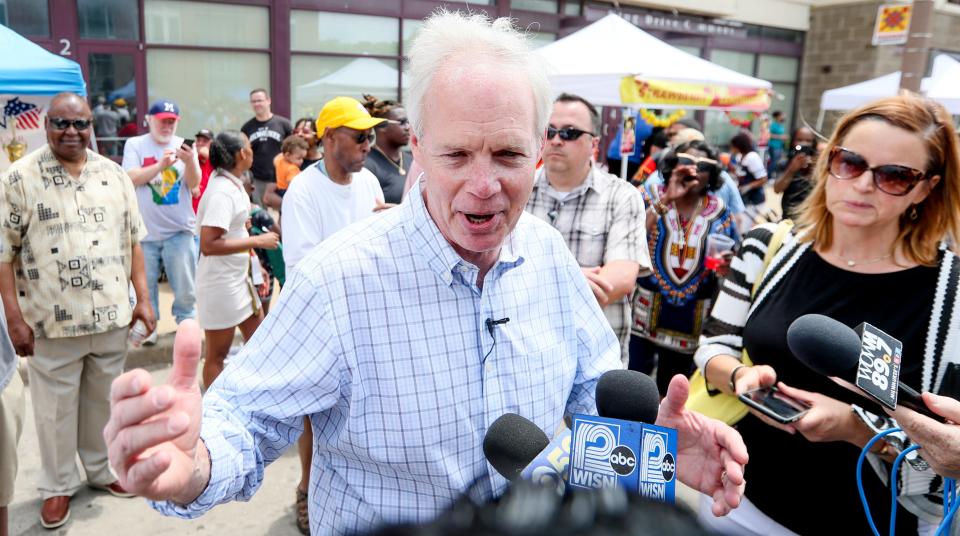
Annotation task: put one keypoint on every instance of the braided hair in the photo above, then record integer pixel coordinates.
(379, 108)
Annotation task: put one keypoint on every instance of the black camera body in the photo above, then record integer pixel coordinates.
(809, 150)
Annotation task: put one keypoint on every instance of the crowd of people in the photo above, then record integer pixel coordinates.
(489, 264)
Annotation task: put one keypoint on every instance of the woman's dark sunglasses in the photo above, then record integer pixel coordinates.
(889, 179)
(60, 123)
(703, 164)
(566, 133)
(388, 122)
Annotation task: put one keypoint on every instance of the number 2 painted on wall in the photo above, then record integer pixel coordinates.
(65, 51)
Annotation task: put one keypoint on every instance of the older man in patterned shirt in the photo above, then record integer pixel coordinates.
(404, 336)
(72, 231)
(600, 216)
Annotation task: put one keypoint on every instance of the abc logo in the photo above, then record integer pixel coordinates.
(623, 461)
(668, 467)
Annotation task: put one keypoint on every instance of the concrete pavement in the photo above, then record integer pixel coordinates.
(96, 513)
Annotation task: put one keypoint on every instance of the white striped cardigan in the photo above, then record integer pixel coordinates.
(734, 307)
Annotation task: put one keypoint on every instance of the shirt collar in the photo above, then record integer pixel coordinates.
(595, 181)
(438, 252)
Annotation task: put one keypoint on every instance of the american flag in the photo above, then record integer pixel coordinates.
(26, 114)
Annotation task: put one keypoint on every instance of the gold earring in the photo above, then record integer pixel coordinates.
(913, 213)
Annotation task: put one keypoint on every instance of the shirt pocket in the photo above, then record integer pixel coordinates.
(588, 243)
(544, 378)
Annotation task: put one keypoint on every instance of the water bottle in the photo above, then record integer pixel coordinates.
(138, 333)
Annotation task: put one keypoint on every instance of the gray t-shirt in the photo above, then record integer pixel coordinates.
(166, 204)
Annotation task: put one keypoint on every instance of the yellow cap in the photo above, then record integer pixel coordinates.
(345, 112)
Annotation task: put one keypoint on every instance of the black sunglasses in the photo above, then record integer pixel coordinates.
(889, 179)
(566, 133)
(60, 123)
(363, 136)
(703, 164)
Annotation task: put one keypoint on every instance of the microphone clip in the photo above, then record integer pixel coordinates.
(491, 323)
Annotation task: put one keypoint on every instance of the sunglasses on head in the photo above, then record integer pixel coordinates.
(566, 133)
(889, 179)
(703, 164)
(60, 123)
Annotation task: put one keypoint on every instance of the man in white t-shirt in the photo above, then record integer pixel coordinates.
(337, 190)
(165, 170)
(325, 198)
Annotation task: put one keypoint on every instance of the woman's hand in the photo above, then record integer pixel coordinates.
(755, 377)
(268, 240)
(828, 419)
(682, 180)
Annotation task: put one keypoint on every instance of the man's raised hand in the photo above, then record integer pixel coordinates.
(153, 436)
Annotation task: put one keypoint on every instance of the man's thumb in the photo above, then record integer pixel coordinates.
(186, 355)
(676, 395)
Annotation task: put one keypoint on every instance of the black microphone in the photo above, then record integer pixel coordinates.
(491, 323)
(832, 348)
(628, 395)
(511, 443)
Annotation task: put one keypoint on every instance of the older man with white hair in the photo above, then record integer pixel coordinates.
(404, 336)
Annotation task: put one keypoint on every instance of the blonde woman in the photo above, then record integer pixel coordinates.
(867, 247)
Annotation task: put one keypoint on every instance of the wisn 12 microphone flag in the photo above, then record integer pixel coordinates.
(642, 458)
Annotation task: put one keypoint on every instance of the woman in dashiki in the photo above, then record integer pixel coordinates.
(671, 304)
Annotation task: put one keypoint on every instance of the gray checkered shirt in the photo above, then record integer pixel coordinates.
(601, 220)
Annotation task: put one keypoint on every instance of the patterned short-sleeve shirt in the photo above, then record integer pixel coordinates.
(70, 242)
(602, 220)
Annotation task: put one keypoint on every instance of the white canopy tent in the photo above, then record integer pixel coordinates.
(943, 85)
(360, 75)
(592, 61)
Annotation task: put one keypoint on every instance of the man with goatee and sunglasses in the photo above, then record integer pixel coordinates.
(600, 216)
(71, 232)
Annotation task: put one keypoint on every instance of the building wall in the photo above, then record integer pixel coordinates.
(791, 14)
(838, 51)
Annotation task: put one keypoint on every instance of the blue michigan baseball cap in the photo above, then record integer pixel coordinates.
(164, 109)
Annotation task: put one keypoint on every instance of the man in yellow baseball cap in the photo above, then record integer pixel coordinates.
(345, 112)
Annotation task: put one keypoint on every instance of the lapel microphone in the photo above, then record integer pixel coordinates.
(491, 323)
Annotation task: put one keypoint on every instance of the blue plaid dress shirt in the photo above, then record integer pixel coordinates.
(380, 337)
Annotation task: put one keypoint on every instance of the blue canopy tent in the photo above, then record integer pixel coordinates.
(28, 69)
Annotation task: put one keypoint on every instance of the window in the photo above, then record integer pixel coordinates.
(212, 88)
(317, 31)
(543, 6)
(538, 39)
(696, 51)
(779, 68)
(26, 17)
(410, 29)
(109, 19)
(175, 22)
(572, 8)
(316, 79)
(783, 99)
(742, 62)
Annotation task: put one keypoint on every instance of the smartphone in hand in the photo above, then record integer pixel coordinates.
(774, 404)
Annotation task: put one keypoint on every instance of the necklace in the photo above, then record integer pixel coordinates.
(686, 227)
(398, 165)
(851, 263)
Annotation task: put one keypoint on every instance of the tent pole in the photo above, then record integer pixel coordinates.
(820, 117)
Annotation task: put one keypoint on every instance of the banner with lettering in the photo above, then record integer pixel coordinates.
(667, 94)
(21, 126)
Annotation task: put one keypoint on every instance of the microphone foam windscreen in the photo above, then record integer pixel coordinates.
(511, 443)
(628, 395)
(824, 344)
